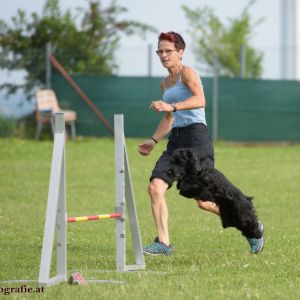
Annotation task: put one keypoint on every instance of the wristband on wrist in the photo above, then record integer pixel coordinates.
(153, 139)
(174, 107)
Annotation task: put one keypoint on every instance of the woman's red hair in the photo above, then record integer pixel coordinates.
(172, 37)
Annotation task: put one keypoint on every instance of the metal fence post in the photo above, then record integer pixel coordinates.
(215, 101)
(48, 65)
(243, 61)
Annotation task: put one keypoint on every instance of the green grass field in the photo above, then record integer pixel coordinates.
(209, 262)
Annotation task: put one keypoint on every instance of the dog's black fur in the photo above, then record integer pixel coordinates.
(197, 178)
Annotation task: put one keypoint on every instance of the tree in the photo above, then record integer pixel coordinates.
(89, 48)
(221, 44)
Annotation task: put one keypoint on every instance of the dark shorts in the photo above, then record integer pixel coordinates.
(193, 136)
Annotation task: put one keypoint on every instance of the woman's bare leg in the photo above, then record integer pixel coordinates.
(209, 206)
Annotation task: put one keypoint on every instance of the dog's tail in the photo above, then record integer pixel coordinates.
(249, 198)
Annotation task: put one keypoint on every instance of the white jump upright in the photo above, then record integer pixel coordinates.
(124, 194)
(56, 211)
(56, 216)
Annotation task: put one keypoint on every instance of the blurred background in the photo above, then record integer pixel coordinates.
(246, 53)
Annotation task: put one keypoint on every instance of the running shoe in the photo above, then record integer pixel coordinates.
(158, 248)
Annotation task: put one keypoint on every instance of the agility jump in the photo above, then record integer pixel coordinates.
(56, 215)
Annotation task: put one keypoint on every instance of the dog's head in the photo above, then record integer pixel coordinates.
(184, 163)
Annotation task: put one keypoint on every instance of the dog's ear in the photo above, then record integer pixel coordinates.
(193, 159)
(205, 165)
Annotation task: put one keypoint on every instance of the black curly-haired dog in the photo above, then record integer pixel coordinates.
(198, 179)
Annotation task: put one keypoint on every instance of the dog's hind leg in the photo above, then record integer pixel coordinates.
(239, 213)
(248, 220)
